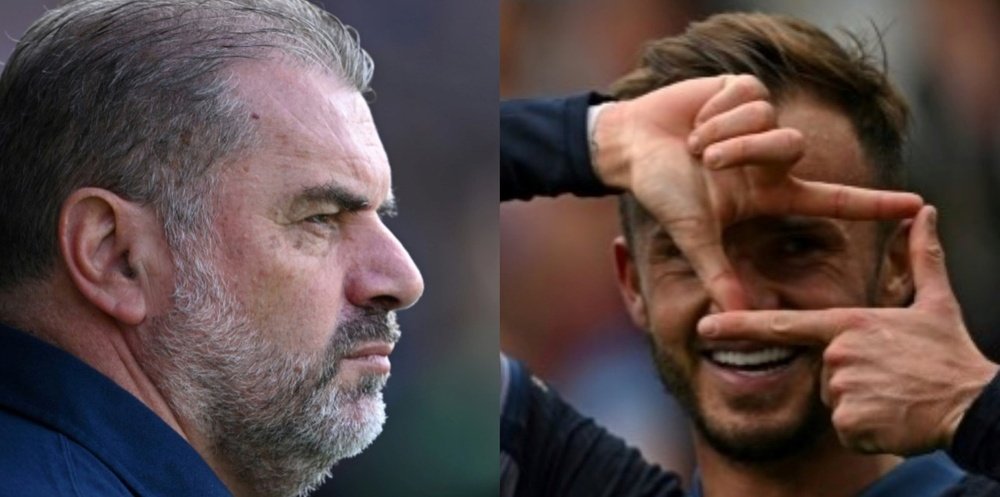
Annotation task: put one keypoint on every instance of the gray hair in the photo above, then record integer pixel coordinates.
(133, 96)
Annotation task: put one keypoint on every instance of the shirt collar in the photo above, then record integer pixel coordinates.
(55, 389)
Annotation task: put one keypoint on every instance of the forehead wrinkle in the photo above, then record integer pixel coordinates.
(307, 105)
(314, 128)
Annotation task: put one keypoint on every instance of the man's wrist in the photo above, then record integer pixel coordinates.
(983, 378)
(606, 129)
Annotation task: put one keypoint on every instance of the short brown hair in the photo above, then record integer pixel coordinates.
(787, 55)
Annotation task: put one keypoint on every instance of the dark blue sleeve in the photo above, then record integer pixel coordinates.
(544, 150)
(976, 445)
(548, 449)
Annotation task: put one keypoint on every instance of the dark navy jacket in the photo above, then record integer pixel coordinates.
(67, 430)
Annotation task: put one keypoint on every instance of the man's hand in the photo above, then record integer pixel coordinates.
(897, 380)
(654, 147)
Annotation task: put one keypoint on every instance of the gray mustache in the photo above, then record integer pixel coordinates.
(374, 326)
(371, 326)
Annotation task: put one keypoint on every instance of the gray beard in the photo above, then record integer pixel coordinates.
(277, 420)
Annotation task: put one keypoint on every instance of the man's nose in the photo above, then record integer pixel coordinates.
(384, 275)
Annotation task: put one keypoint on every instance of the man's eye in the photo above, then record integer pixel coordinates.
(670, 259)
(799, 245)
(670, 252)
(325, 219)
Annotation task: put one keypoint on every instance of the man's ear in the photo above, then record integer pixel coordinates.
(895, 279)
(107, 244)
(629, 284)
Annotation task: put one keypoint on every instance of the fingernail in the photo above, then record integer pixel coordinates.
(708, 327)
(694, 143)
(932, 218)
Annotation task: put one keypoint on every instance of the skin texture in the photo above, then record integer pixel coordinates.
(309, 263)
(650, 146)
(769, 438)
(298, 253)
(303, 249)
(897, 380)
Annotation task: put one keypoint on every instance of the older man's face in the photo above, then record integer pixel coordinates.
(303, 244)
(277, 346)
(755, 401)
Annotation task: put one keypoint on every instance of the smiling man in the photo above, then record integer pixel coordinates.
(198, 288)
(760, 425)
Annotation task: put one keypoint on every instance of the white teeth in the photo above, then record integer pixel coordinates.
(751, 358)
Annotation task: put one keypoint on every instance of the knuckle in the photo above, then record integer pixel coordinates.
(857, 321)
(748, 87)
(740, 148)
(795, 143)
(835, 354)
(935, 252)
(764, 115)
(780, 322)
(847, 423)
(708, 131)
(836, 387)
(742, 88)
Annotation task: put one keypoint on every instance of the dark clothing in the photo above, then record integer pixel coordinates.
(546, 445)
(547, 449)
(976, 446)
(543, 148)
(67, 430)
(930, 475)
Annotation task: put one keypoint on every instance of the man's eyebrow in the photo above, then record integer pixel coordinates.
(388, 208)
(785, 224)
(345, 199)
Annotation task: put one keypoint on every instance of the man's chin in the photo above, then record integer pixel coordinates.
(754, 438)
(359, 421)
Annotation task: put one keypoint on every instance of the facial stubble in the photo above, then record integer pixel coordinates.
(749, 446)
(279, 420)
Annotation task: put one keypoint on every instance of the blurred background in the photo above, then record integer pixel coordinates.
(436, 110)
(560, 311)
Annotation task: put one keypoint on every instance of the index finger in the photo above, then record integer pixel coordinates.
(812, 198)
(786, 327)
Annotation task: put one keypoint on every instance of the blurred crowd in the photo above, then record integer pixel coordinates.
(435, 108)
(560, 311)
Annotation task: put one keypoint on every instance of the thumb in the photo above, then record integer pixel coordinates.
(930, 276)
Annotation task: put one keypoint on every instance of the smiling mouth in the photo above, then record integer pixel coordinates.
(760, 360)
